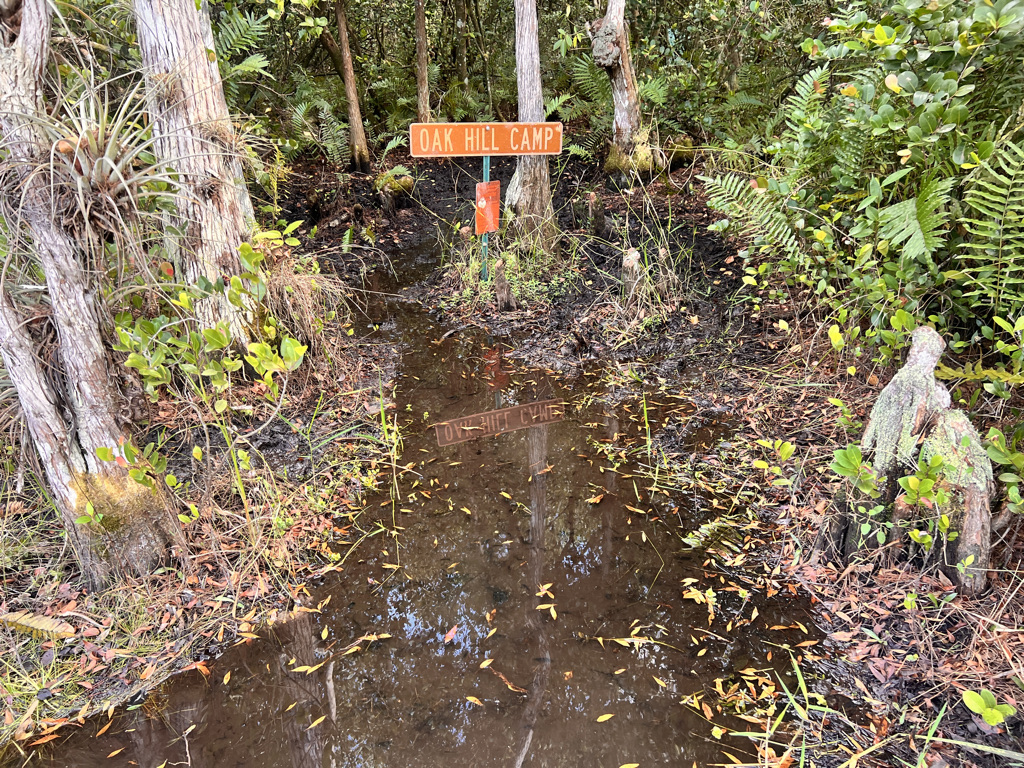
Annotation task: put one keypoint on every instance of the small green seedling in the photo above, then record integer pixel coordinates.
(984, 704)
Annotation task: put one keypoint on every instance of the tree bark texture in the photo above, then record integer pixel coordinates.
(193, 134)
(356, 133)
(461, 57)
(533, 206)
(610, 47)
(422, 65)
(138, 528)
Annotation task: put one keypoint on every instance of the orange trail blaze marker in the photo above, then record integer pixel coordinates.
(488, 206)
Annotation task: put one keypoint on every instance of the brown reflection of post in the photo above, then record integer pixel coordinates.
(537, 454)
(312, 693)
(611, 420)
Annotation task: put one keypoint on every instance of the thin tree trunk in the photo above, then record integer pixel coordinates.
(135, 529)
(481, 44)
(610, 46)
(533, 207)
(193, 133)
(461, 57)
(356, 133)
(422, 64)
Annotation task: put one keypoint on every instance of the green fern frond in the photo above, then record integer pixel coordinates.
(590, 80)
(993, 259)
(255, 63)
(653, 91)
(238, 32)
(919, 222)
(756, 211)
(803, 106)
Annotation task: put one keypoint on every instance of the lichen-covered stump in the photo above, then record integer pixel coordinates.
(966, 477)
(905, 409)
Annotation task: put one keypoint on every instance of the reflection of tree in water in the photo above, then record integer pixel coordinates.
(313, 694)
(537, 454)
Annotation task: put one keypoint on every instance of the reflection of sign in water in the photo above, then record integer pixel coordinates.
(498, 422)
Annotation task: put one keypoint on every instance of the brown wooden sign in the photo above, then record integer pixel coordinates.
(488, 206)
(480, 139)
(499, 422)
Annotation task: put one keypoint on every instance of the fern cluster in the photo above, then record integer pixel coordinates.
(884, 182)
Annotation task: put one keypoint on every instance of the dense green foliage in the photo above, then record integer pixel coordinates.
(890, 182)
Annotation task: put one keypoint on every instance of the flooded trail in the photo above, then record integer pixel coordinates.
(518, 600)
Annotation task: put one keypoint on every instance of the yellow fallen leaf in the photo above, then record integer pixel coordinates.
(662, 683)
(316, 722)
(227, 676)
(603, 718)
(630, 765)
(115, 752)
(619, 671)
(486, 663)
(474, 700)
(506, 495)
(291, 706)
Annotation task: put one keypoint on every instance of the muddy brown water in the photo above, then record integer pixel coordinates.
(476, 671)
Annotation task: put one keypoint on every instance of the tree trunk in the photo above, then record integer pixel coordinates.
(461, 57)
(610, 47)
(422, 64)
(967, 479)
(193, 133)
(533, 206)
(356, 133)
(132, 528)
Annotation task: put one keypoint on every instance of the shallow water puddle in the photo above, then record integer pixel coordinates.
(524, 600)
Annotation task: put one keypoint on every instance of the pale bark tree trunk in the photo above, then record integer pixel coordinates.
(422, 64)
(193, 134)
(461, 56)
(136, 528)
(533, 203)
(610, 47)
(356, 133)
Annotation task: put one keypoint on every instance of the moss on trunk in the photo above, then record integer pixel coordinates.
(132, 528)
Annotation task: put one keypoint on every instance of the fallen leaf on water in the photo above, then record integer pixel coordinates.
(619, 671)
(450, 634)
(595, 499)
(115, 752)
(486, 663)
(45, 739)
(506, 496)
(227, 676)
(603, 718)
(474, 700)
(662, 683)
(291, 706)
(491, 633)
(104, 729)
(316, 722)
(630, 765)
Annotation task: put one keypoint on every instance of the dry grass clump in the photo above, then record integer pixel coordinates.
(304, 298)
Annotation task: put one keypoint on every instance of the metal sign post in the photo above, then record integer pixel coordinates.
(484, 239)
